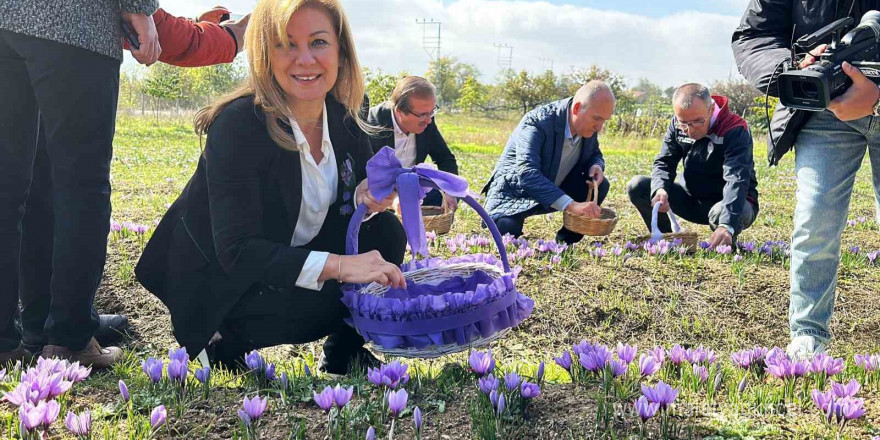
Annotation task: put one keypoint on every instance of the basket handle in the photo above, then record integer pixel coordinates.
(592, 192)
(655, 231)
(354, 227)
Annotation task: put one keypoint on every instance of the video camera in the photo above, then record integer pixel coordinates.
(813, 87)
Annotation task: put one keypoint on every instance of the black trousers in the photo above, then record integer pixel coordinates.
(75, 91)
(575, 185)
(268, 316)
(684, 205)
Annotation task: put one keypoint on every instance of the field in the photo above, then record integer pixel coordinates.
(707, 299)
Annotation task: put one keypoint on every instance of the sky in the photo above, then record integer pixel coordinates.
(668, 42)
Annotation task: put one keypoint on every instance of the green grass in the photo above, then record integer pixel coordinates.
(701, 299)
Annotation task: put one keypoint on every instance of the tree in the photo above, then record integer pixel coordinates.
(163, 83)
(448, 76)
(473, 95)
(740, 94)
(573, 80)
(519, 89)
(379, 85)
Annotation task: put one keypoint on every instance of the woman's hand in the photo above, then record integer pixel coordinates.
(363, 269)
(362, 195)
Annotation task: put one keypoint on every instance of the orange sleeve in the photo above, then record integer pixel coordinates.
(189, 44)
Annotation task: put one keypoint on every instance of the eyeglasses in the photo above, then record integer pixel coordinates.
(427, 115)
(694, 124)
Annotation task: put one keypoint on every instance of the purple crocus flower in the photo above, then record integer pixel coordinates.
(677, 355)
(255, 407)
(306, 371)
(742, 384)
(397, 401)
(270, 372)
(872, 256)
(158, 417)
(417, 419)
(53, 409)
(481, 362)
(123, 391)
(512, 381)
(245, 418)
(76, 373)
(701, 372)
(56, 385)
(539, 376)
(851, 408)
(31, 416)
(848, 390)
(646, 409)
(659, 354)
(564, 361)
(648, 365)
(371, 433)
(502, 404)
(79, 425)
(203, 374)
(529, 390)
(177, 371)
(394, 374)
(342, 396)
(618, 368)
(626, 353)
(324, 400)
(661, 394)
(115, 226)
(153, 369)
(742, 359)
(723, 249)
(822, 400)
(487, 384)
(179, 354)
(254, 361)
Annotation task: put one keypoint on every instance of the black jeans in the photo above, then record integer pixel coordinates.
(268, 316)
(575, 185)
(75, 91)
(684, 205)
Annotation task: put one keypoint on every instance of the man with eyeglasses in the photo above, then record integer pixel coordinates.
(548, 161)
(718, 186)
(408, 120)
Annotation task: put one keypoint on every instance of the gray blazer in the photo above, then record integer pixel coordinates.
(88, 24)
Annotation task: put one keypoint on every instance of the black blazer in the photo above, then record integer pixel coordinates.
(232, 226)
(429, 142)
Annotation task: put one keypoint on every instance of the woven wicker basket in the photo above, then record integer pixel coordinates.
(688, 238)
(603, 225)
(437, 220)
(434, 275)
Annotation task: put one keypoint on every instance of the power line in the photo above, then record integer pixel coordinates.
(430, 38)
(505, 56)
(546, 60)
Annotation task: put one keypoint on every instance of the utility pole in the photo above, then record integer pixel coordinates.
(546, 60)
(430, 37)
(505, 56)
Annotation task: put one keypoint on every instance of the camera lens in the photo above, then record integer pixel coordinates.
(807, 90)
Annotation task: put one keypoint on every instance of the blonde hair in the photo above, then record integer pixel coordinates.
(268, 28)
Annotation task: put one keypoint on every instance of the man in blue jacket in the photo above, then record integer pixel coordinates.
(548, 160)
(717, 186)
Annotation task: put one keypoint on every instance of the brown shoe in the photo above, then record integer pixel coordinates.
(92, 356)
(19, 354)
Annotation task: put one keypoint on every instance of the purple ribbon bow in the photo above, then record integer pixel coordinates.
(385, 172)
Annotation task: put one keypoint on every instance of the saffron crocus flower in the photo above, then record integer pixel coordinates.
(564, 361)
(539, 376)
(79, 425)
(324, 400)
(306, 371)
(848, 390)
(158, 417)
(76, 373)
(626, 353)
(270, 372)
(371, 433)
(502, 404)
(342, 396)
(659, 354)
(618, 368)
(31, 416)
(177, 371)
(648, 365)
(723, 249)
(529, 390)
(851, 408)
(123, 391)
(417, 420)
(179, 354)
(822, 400)
(254, 361)
(481, 362)
(246, 419)
(255, 407)
(646, 409)
(397, 401)
(677, 355)
(512, 381)
(661, 394)
(53, 409)
(153, 369)
(203, 374)
(487, 384)
(742, 359)
(701, 373)
(742, 384)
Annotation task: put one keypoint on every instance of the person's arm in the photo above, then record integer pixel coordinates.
(528, 144)
(762, 41)
(737, 169)
(666, 163)
(186, 43)
(137, 14)
(440, 152)
(234, 167)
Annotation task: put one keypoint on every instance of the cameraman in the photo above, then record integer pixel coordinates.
(829, 150)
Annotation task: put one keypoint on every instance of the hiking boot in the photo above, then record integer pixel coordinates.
(112, 329)
(91, 356)
(19, 354)
(804, 348)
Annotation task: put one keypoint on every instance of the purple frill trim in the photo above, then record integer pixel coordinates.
(456, 311)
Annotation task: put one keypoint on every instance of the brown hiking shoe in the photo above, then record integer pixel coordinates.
(19, 354)
(92, 356)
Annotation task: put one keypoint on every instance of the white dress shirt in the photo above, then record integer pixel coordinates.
(404, 145)
(319, 185)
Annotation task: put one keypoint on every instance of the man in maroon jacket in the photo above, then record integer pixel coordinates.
(185, 43)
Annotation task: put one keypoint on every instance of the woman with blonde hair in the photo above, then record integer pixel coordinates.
(251, 254)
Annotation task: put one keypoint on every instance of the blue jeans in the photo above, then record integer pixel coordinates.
(828, 155)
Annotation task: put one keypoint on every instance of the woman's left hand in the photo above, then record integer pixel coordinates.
(362, 195)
